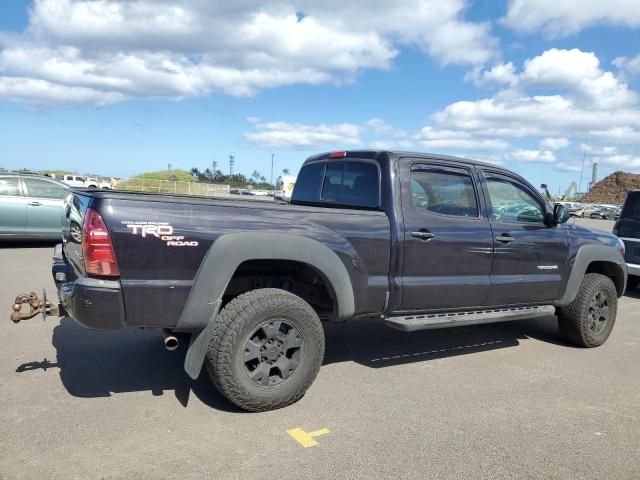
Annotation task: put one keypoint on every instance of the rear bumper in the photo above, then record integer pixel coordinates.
(92, 302)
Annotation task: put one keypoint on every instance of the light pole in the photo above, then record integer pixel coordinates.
(584, 156)
(272, 169)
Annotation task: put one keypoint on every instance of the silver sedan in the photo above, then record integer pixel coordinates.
(31, 207)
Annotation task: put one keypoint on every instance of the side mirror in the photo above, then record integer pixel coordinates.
(560, 214)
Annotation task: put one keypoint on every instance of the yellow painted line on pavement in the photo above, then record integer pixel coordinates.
(306, 439)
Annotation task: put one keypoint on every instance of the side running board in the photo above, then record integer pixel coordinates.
(411, 323)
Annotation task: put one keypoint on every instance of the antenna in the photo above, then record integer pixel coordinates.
(231, 162)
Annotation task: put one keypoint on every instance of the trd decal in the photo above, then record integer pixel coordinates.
(161, 230)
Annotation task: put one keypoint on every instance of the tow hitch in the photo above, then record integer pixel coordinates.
(36, 306)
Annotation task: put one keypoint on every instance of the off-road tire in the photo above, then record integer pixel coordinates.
(574, 320)
(235, 325)
(632, 282)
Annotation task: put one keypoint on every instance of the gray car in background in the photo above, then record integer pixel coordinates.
(31, 207)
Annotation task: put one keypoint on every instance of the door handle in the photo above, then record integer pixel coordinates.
(504, 238)
(426, 236)
(35, 204)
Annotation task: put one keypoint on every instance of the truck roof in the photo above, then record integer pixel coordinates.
(373, 154)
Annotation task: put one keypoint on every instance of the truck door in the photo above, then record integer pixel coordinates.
(45, 207)
(447, 242)
(13, 207)
(529, 264)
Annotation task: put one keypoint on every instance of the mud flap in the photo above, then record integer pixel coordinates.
(198, 346)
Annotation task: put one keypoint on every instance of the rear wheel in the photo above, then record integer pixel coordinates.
(588, 321)
(266, 350)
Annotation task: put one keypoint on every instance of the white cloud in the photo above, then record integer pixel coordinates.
(630, 65)
(562, 18)
(393, 144)
(502, 73)
(621, 162)
(580, 99)
(580, 73)
(294, 135)
(554, 143)
(179, 48)
(380, 127)
(619, 134)
(532, 156)
(456, 140)
(568, 167)
(42, 92)
(576, 72)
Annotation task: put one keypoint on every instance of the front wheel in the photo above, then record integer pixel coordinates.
(589, 319)
(266, 349)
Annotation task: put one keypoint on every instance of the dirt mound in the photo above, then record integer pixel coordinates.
(613, 189)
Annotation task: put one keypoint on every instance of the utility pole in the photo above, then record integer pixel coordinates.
(584, 155)
(231, 162)
(272, 169)
(214, 165)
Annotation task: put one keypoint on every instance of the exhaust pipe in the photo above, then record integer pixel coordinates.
(170, 340)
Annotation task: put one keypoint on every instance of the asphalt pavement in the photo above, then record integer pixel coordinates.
(496, 401)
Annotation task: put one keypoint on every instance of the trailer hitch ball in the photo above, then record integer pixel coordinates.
(36, 306)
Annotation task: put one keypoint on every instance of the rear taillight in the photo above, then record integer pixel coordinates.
(99, 257)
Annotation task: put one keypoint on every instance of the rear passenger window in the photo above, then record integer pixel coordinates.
(44, 189)
(9, 187)
(445, 192)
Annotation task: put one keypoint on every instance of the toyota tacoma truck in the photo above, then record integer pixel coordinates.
(418, 241)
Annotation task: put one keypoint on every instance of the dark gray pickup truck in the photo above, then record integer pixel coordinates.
(419, 241)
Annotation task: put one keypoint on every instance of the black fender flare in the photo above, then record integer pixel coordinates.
(586, 255)
(222, 260)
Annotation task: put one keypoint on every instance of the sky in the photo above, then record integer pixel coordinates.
(120, 87)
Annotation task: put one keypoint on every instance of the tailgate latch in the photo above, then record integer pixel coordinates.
(36, 306)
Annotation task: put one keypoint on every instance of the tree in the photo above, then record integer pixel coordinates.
(286, 171)
(195, 173)
(255, 176)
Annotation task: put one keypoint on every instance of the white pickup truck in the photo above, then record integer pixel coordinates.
(84, 182)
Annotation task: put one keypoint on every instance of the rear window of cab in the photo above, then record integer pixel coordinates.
(350, 184)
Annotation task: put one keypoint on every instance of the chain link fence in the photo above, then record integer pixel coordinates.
(172, 186)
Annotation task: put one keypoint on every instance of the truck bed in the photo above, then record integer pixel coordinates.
(156, 276)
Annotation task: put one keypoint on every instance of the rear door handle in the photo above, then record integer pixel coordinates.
(35, 204)
(504, 238)
(426, 236)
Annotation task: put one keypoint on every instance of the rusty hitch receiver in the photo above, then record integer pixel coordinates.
(36, 306)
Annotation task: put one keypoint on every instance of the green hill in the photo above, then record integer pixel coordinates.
(173, 175)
